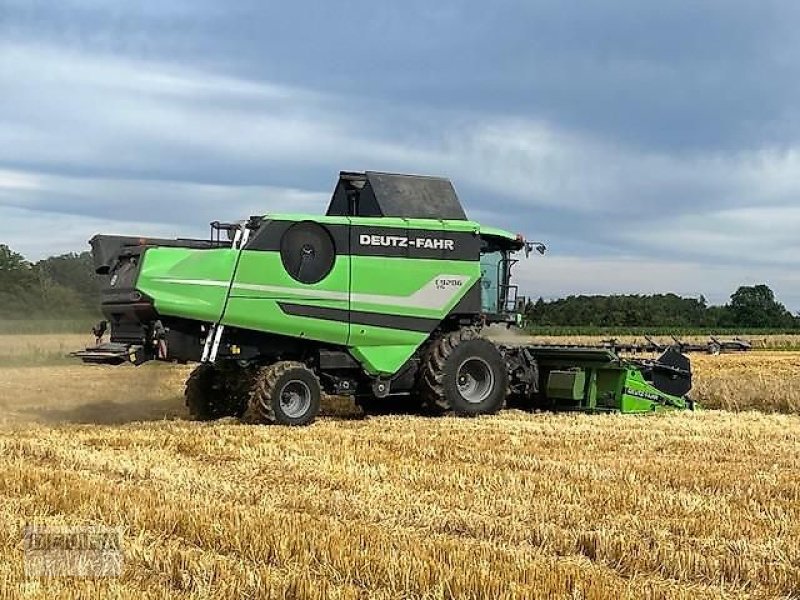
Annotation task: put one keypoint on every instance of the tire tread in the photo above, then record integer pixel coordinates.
(432, 379)
(265, 380)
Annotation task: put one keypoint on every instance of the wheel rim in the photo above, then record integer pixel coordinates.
(475, 380)
(295, 399)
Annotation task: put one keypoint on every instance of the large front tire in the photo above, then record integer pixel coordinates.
(464, 374)
(287, 393)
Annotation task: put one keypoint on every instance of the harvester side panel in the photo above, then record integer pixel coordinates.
(378, 285)
(407, 276)
(391, 283)
(264, 297)
(187, 283)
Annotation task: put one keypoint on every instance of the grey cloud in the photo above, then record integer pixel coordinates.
(166, 203)
(166, 123)
(145, 118)
(700, 74)
(663, 132)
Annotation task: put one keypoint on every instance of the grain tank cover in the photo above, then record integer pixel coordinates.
(373, 194)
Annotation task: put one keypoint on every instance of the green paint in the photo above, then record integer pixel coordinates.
(499, 233)
(244, 288)
(166, 271)
(384, 359)
(596, 380)
(248, 285)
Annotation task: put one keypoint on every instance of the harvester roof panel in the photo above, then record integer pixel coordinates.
(511, 239)
(374, 194)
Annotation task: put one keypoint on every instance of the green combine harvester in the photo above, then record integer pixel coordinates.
(384, 299)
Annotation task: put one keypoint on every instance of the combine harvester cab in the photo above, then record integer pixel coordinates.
(383, 298)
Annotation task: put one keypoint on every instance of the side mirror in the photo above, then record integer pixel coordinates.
(538, 246)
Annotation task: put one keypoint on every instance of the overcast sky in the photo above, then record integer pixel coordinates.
(654, 146)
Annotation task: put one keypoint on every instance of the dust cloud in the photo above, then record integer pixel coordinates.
(91, 394)
(501, 334)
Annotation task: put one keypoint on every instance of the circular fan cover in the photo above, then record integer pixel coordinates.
(307, 252)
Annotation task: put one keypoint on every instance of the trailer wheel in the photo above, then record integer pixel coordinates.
(287, 393)
(464, 374)
(206, 397)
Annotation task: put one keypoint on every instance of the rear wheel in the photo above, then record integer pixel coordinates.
(287, 393)
(236, 381)
(213, 392)
(464, 374)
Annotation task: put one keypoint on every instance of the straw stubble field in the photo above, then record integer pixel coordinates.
(517, 505)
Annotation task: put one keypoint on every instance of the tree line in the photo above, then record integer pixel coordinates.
(56, 287)
(66, 286)
(749, 307)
